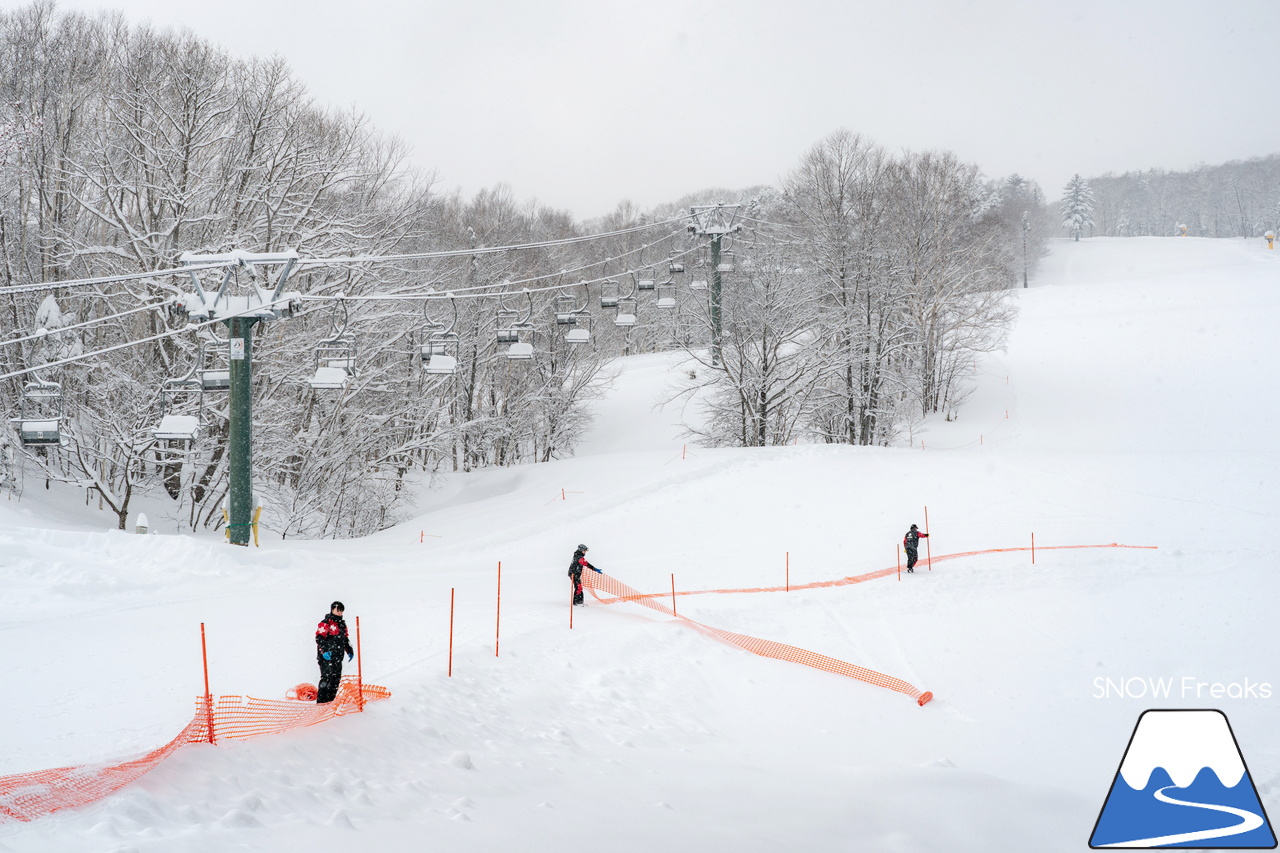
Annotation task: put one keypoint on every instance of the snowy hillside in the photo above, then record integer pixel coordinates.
(1132, 406)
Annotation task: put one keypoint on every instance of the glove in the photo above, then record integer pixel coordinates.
(350, 655)
(597, 571)
(326, 655)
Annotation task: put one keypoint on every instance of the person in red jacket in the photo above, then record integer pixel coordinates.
(910, 542)
(331, 644)
(575, 572)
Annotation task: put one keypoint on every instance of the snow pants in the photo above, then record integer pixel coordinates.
(911, 557)
(330, 677)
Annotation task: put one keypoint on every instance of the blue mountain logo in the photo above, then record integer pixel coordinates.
(1183, 783)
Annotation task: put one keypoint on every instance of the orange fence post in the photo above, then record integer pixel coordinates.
(673, 594)
(497, 623)
(928, 546)
(451, 594)
(359, 667)
(1033, 549)
(208, 697)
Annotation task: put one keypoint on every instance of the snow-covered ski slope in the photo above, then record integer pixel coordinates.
(1139, 388)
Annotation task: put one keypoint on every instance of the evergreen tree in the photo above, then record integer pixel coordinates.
(1077, 206)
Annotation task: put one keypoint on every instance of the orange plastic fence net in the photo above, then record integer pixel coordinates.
(755, 645)
(26, 796)
(869, 576)
(781, 651)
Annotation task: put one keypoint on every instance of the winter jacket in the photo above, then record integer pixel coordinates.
(912, 540)
(579, 563)
(331, 636)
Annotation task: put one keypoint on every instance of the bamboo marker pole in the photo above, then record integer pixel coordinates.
(497, 622)
(451, 599)
(927, 544)
(208, 697)
(359, 667)
(673, 595)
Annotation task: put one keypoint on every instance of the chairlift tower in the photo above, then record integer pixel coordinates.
(715, 221)
(258, 301)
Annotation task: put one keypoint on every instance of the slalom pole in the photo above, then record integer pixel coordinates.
(899, 550)
(673, 594)
(928, 545)
(208, 697)
(359, 667)
(1033, 549)
(788, 571)
(572, 592)
(451, 595)
(497, 624)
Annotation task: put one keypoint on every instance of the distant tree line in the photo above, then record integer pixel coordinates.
(866, 284)
(1236, 199)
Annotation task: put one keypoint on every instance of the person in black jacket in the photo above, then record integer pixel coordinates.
(331, 643)
(910, 542)
(575, 572)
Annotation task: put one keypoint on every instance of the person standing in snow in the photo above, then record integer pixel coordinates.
(575, 572)
(331, 643)
(911, 542)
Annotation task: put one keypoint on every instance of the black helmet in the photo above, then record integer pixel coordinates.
(582, 547)
(337, 605)
(913, 527)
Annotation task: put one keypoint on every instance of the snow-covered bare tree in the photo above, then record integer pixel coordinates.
(760, 391)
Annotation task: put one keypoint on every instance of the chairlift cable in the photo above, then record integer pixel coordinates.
(189, 327)
(468, 293)
(111, 279)
(304, 263)
(61, 329)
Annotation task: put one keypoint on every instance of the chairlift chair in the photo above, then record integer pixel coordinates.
(726, 261)
(674, 266)
(626, 316)
(609, 293)
(506, 329)
(648, 282)
(667, 295)
(215, 374)
(40, 414)
(335, 360)
(698, 284)
(174, 426)
(522, 348)
(440, 354)
(566, 310)
(439, 348)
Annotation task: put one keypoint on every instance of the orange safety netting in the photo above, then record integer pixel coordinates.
(879, 573)
(755, 645)
(782, 651)
(26, 796)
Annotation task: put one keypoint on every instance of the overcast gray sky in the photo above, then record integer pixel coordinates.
(583, 103)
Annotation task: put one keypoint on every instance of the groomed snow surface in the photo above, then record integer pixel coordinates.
(1139, 390)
